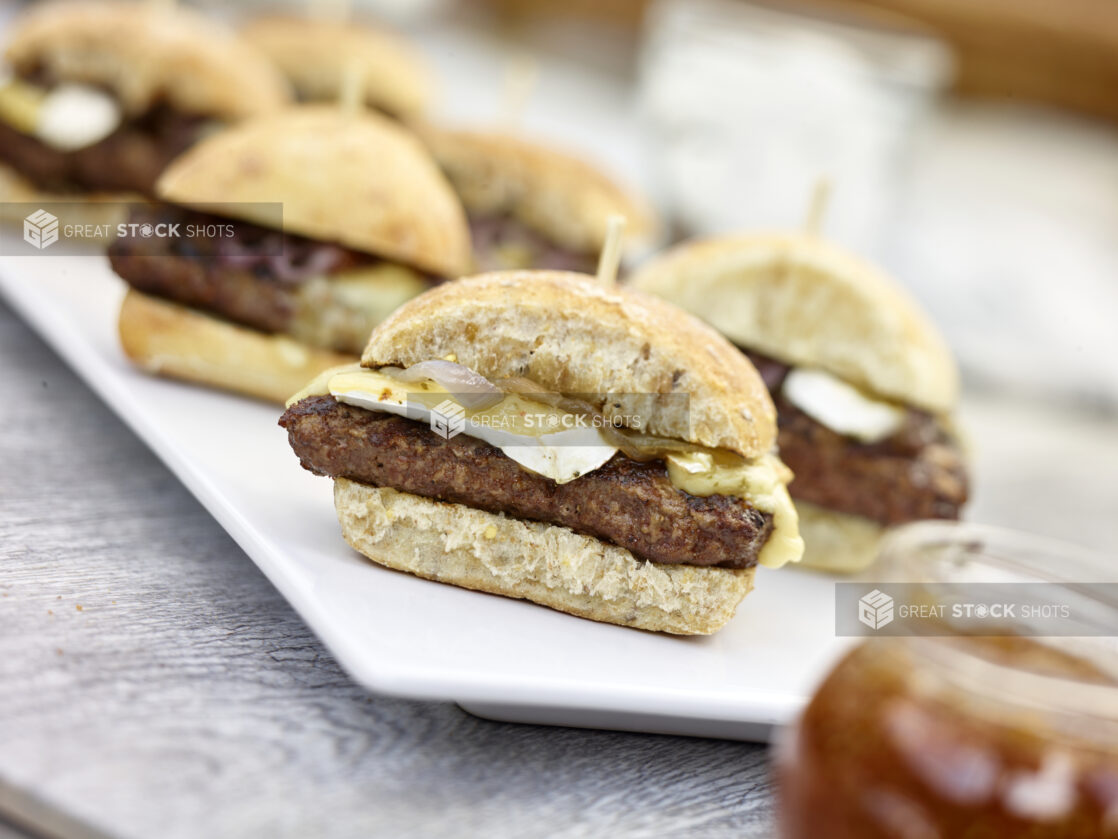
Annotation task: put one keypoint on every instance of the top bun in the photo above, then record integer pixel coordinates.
(146, 53)
(569, 334)
(316, 54)
(804, 302)
(561, 196)
(353, 178)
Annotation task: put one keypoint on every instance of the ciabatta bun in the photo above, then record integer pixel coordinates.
(564, 198)
(171, 340)
(569, 334)
(316, 54)
(354, 178)
(805, 302)
(837, 542)
(544, 563)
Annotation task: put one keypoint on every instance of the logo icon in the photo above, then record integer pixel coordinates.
(40, 229)
(875, 610)
(448, 419)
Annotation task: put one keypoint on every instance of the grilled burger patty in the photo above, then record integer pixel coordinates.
(917, 473)
(630, 504)
(502, 242)
(128, 160)
(253, 275)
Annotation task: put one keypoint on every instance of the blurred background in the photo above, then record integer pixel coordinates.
(972, 145)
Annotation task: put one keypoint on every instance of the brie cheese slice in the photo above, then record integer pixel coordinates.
(73, 116)
(840, 406)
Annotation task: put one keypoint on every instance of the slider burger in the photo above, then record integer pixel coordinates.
(368, 222)
(864, 385)
(316, 54)
(659, 527)
(530, 206)
(101, 96)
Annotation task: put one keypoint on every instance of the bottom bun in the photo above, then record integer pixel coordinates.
(544, 563)
(172, 340)
(837, 542)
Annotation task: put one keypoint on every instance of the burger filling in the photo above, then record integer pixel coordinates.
(305, 95)
(319, 293)
(76, 138)
(391, 428)
(858, 455)
(502, 242)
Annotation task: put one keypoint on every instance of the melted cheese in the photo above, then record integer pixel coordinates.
(525, 431)
(377, 290)
(66, 117)
(841, 407)
(761, 482)
(320, 384)
(20, 104)
(342, 309)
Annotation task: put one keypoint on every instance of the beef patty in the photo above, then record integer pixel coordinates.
(503, 242)
(255, 276)
(916, 473)
(128, 160)
(630, 504)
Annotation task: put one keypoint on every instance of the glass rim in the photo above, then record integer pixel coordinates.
(1002, 549)
(894, 47)
(1044, 559)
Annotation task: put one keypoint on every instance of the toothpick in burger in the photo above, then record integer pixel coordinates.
(316, 52)
(368, 221)
(538, 435)
(863, 383)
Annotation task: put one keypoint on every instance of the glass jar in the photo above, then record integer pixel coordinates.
(961, 735)
(747, 105)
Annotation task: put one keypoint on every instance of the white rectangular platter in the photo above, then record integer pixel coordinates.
(402, 636)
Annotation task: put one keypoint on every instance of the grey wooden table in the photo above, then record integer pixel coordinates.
(153, 683)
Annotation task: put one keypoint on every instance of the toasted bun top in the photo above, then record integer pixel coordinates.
(567, 333)
(354, 178)
(145, 53)
(316, 54)
(561, 196)
(804, 302)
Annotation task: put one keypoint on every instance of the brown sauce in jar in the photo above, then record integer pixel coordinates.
(976, 738)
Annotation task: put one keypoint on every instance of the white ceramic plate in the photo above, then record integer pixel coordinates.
(407, 637)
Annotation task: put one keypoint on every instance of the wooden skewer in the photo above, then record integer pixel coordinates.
(610, 259)
(337, 11)
(351, 96)
(820, 196)
(521, 73)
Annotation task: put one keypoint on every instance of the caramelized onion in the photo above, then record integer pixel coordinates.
(632, 444)
(470, 389)
(526, 387)
(639, 446)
